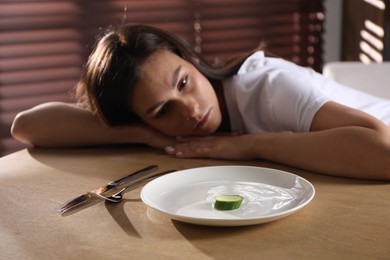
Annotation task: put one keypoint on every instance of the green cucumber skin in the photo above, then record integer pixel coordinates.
(228, 205)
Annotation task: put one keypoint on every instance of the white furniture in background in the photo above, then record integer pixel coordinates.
(373, 78)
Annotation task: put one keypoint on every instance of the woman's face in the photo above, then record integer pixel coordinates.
(173, 97)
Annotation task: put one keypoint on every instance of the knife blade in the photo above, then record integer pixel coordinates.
(79, 200)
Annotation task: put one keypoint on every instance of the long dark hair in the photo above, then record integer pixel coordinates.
(114, 66)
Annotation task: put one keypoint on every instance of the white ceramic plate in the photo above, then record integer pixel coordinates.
(188, 195)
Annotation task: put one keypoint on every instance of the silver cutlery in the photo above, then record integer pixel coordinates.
(79, 200)
(117, 197)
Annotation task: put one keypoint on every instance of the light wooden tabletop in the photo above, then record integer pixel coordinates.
(347, 219)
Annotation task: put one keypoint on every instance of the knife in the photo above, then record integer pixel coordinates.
(79, 200)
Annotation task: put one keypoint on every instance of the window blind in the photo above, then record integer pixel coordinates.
(39, 57)
(43, 44)
(290, 29)
(173, 15)
(366, 31)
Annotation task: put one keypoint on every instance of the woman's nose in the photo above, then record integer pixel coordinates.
(190, 109)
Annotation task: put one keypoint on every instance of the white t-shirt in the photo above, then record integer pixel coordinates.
(275, 95)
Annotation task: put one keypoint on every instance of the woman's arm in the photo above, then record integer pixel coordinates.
(58, 124)
(342, 142)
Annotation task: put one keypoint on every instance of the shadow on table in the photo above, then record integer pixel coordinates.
(104, 161)
(119, 215)
(223, 242)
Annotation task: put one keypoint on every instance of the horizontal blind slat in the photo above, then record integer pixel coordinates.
(37, 49)
(18, 77)
(37, 89)
(21, 8)
(33, 63)
(36, 36)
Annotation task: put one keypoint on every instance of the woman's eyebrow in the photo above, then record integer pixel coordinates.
(175, 76)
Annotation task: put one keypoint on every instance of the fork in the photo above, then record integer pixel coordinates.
(118, 197)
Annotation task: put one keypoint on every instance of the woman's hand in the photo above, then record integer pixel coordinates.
(230, 147)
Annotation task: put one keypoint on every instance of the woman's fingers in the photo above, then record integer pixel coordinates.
(218, 147)
(190, 149)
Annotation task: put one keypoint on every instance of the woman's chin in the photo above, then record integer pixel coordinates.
(210, 130)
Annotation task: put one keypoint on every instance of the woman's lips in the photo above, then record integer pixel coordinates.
(204, 120)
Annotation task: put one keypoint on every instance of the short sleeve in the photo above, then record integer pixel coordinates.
(293, 101)
(272, 95)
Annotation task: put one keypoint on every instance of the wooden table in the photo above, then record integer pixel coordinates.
(348, 219)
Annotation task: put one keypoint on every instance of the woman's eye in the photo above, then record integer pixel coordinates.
(183, 82)
(161, 112)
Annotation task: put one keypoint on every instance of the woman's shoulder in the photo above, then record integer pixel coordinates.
(259, 65)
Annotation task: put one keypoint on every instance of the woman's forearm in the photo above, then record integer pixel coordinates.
(346, 151)
(57, 124)
(349, 151)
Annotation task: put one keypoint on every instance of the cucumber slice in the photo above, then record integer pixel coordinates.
(228, 202)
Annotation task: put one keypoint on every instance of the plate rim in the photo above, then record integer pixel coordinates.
(230, 222)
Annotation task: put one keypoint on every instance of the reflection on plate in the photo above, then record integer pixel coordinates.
(188, 195)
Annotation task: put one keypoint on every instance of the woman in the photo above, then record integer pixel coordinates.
(150, 87)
